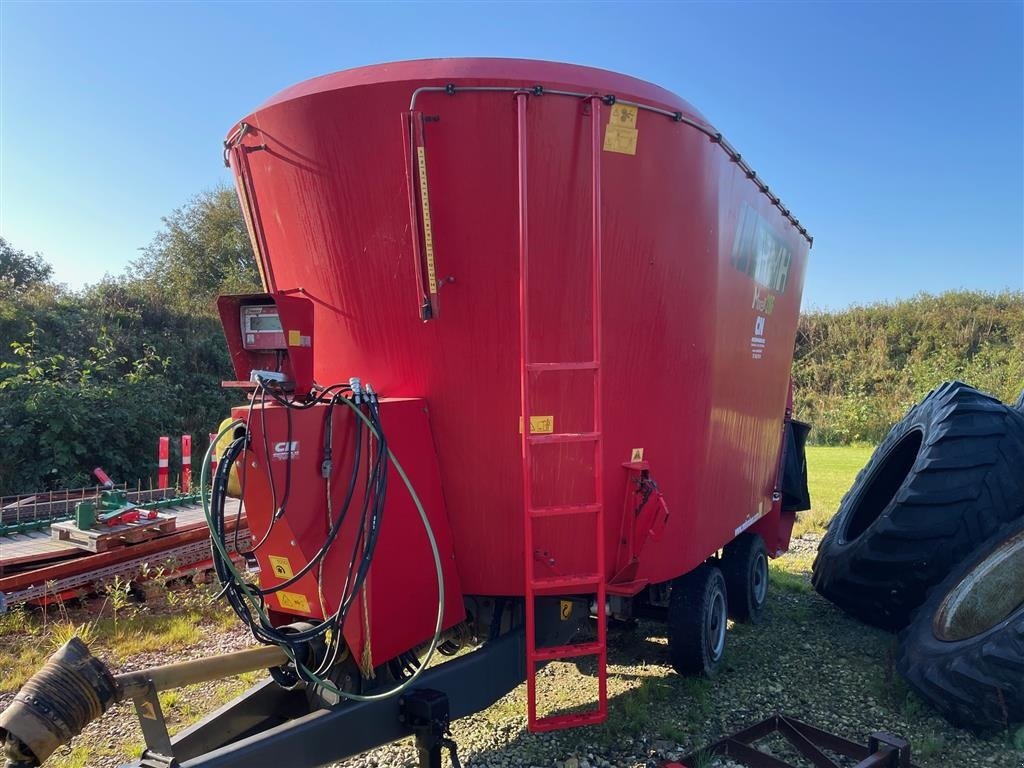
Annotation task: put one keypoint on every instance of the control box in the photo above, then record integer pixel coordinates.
(261, 327)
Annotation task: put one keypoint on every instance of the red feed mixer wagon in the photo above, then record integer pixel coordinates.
(521, 369)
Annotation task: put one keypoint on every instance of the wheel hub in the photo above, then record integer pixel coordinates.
(987, 595)
(716, 626)
(759, 579)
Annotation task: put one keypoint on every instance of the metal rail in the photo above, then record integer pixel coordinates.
(716, 137)
(44, 519)
(188, 557)
(51, 505)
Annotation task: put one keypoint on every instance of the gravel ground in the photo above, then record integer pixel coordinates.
(807, 660)
(106, 742)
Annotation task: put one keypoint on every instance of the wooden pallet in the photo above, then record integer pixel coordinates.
(109, 537)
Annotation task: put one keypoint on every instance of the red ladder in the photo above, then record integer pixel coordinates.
(592, 583)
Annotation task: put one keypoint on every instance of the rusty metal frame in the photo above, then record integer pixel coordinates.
(883, 750)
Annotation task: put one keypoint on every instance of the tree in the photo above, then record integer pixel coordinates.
(20, 271)
(202, 250)
(92, 377)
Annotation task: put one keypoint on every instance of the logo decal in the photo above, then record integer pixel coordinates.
(764, 301)
(758, 342)
(758, 251)
(285, 451)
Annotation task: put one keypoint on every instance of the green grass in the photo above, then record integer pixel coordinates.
(29, 636)
(784, 578)
(830, 473)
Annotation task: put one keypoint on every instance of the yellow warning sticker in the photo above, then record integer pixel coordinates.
(293, 601)
(565, 609)
(621, 134)
(623, 116)
(294, 339)
(539, 425)
(281, 567)
(637, 454)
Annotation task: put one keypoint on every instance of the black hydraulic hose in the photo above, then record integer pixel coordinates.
(335, 528)
(372, 520)
(365, 544)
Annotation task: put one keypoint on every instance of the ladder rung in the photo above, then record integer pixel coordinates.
(576, 509)
(556, 652)
(548, 583)
(583, 365)
(572, 720)
(565, 437)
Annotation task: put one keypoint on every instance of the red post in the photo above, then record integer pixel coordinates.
(102, 476)
(186, 463)
(213, 456)
(162, 465)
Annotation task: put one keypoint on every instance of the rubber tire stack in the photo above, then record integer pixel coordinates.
(974, 677)
(942, 491)
(943, 480)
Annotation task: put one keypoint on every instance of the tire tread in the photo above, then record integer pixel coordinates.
(966, 482)
(977, 682)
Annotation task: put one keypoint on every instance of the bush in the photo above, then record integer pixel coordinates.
(856, 372)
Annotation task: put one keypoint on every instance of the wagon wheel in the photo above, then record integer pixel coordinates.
(697, 616)
(745, 567)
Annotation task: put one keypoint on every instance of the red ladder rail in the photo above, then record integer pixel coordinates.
(579, 583)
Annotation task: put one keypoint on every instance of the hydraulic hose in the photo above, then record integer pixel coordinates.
(252, 597)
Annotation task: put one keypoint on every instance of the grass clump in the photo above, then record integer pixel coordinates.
(831, 471)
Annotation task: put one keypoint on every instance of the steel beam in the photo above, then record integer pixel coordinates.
(249, 731)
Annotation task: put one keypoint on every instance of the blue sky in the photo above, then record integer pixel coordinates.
(895, 132)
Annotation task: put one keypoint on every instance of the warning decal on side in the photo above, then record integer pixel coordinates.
(293, 601)
(539, 425)
(281, 567)
(637, 454)
(565, 610)
(621, 134)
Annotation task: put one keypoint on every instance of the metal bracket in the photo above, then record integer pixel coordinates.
(159, 753)
(425, 712)
(881, 741)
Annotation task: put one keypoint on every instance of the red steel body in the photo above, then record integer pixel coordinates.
(701, 275)
(398, 608)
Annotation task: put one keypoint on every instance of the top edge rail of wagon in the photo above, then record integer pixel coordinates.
(538, 90)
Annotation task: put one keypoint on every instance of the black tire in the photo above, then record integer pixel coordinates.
(697, 616)
(745, 568)
(942, 481)
(964, 650)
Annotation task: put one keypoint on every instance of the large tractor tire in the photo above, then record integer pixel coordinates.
(964, 650)
(942, 481)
